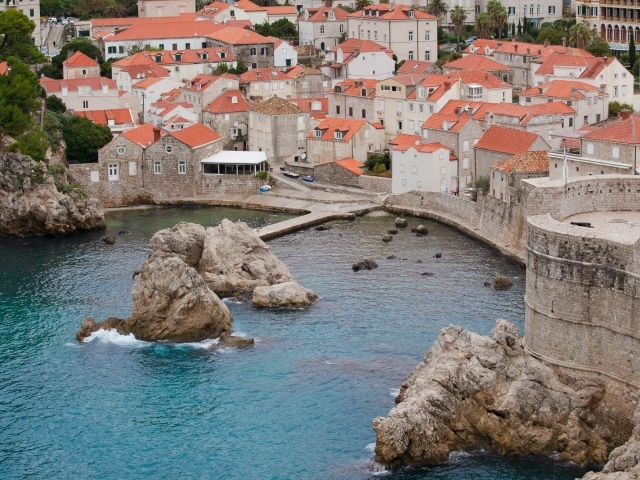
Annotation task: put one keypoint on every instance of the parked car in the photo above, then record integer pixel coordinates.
(470, 40)
(64, 21)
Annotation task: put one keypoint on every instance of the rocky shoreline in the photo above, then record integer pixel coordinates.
(473, 392)
(40, 200)
(176, 293)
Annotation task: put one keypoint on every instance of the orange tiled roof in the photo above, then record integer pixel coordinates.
(281, 10)
(249, 6)
(352, 46)
(224, 103)
(146, 83)
(525, 162)
(481, 44)
(330, 125)
(146, 71)
(626, 130)
(386, 11)
(168, 57)
(54, 85)
(213, 9)
(263, 75)
(476, 62)
(164, 107)
(506, 140)
(306, 104)
(404, 142)
(560, 89)
(321, 14)
(302, 70)
(351, 164)
(351, 86)
(79, 59)
(237, 36)
(277, 106)
(156, 31)
(415, 66)
(454, 123)
(127, 21)
(591, 66)
(142, 135)
(203, 81)
(4, 68)
(120, 116)
(196, 135)
(523, 113)
(405, 139)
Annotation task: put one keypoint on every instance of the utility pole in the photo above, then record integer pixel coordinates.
(142, 113)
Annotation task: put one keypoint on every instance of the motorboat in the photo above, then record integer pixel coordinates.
(265, 188)
(289, 174)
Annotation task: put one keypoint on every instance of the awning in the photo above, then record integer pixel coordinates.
(234, 157)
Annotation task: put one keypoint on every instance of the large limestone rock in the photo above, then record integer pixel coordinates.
(235, 261)
(32, 205)
(624, 461)
(473, 392)
(283, 295)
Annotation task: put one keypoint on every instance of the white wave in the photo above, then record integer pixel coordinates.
(233, 300)
(371, 447)
(112, 336)
(394, 392)
(379, 470)
(204, 344)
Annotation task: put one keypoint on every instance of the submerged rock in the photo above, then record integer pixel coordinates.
(109, 239)
(473, 392)
(387, 238)
(422, 230)
(502, 282)
(365, 264)
(32, 204)
(401, 222)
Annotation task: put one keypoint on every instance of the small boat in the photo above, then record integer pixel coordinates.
(265, 188)
(308, 179)
(286, 173)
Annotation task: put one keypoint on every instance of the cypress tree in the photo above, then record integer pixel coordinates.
(519, 28)
(632, 53)
(513, 29)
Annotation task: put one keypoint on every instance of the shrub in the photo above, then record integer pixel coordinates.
(482, 183)
(261, 175)
(379, 168)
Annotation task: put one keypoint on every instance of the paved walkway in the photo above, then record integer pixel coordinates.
(316, 206)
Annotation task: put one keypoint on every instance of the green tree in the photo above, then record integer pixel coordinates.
(513, 29)
(519, 28)
(54, 104)
(362, 4)
(81, 44)
(498, 14)
(51, 71)
(19, 92)
(598, 47)
(15, 37)
(484, 25)
(553, 36)
(284, 29)
(458, 16)
(438, 8)
(84, 138)
(632, 52)
(580, 36)
(33, 143)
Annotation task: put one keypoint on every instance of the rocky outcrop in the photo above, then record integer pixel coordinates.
(473, 392)
(502, 282)
(235, 261)
(172, 300)
(624, 461)
(37, 200)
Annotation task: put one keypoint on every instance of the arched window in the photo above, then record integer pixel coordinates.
(531, 10)
(538, 9)
(341, 28)
(525, 9)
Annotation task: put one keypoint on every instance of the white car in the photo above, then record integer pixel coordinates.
(64, 21)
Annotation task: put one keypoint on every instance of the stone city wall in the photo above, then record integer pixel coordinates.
(375, 184)
(117, 193)
(229, 184)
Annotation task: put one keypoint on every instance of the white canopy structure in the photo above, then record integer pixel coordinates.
(233, 162)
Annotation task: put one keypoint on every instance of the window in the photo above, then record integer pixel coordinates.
(187, 46)
(590, 148)
(615, 152)
(253, 51)
(531, 10)
(411, 107)
(552, 9)
(351, 111)
(615, 91)
(477, 8)
(399, 126)
(571, 122)
(364, 113)
(585, 120)
(427, 35)
(337, 109)
(113, 171)
(321, 28)
(341, 28)
(178, 57)
(427, 55)
(256, 86)
(512, 10)
(157, 167)
(31, 12)
(368, 34)
(410, 54)
(410, 36)
(174, 46)
(254, 65)
(411, 14)
(538, 9)
(317, 133)
(111, 49)
(411, 125)
(402, 168)
(85, 104)
(474, 93)
(414, 169)
(264, 51)
(232, 13)
(121, 49)
(624, 90)
(168, 149)
(120, 150)
(133, 169)
(337, 135)
(465, 146)
(182, 167)
(161, 46)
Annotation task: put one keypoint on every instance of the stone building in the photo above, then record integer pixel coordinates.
(253, 49)
(229, 116)
(353, 98)
(338, 138)
(322, 26)
(202, 89)
(460, 133)
(260, 84)
(480, 62)
(411, 34)
(429, 167)
(162, 112)
(506, 175)
(278, 128)
(498, 143)
(164, 8)
(80, 65)
(355, 58)
(309, 82)
(341, 172)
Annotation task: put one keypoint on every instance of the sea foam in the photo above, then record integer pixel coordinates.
(112, 336)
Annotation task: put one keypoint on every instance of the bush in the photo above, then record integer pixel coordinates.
(616, 107)
(261, 175)
(379, 168)
(482, 183)
(54, 104)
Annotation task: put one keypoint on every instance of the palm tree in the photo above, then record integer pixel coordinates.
(361, 4)
(439, 8)
(498, 14)
(458, 17)
(328, 3)
(580, 36)
(484, 25)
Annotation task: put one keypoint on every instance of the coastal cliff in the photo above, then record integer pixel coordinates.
(37, 200)
(473, 392)
(176, 293)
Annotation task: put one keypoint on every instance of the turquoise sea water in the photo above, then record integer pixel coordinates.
(297, 405)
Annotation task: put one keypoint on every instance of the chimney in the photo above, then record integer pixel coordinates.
(624, 114)
(498, 45)
(564, 41)
(540, 91)
(156, 134)
(528, 51)
(515, 48)
(546, 43)
(486, 77)
(447, 86)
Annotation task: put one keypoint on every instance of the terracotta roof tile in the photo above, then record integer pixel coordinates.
(120, 116)
(168, 57)
(263, 75)
(4, 68)
(156, 31)
(523, 113)
(281, 10)
(525, 162)
(79, 59)
(301, 71)
(237, 36)
(224, 103)
(321, 14)
(453, 123)
(352, 165)
(146, 71)
(307, 105)
(415, 66)
(590, 66)
(196, 135)
(353, 87)
(477, 62)
(506, 140)
(621, 131)
(560, 89)
(405, 139)
(54, 85)
(249, 6)
(142, 135)
(203, 81)
(277, 106)
(330, 125)
(391, 12)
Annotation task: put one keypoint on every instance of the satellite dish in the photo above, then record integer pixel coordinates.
(303, 155)
(235, 124)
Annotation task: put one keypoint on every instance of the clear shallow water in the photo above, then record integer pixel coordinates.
(297, 405)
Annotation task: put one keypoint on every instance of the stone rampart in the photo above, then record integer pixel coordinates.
(229, 184)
